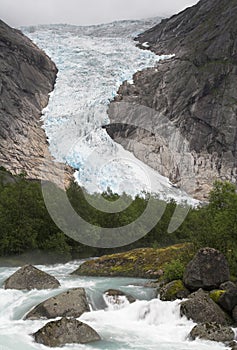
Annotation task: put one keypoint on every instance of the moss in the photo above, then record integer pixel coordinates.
(216, 294)
(173, 290)
(142, 262)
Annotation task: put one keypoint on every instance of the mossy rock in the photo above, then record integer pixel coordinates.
(142, 262)
(174, 290)
(216, 294)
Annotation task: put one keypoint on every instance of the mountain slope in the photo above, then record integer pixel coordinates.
(27, 76)
(193, 98)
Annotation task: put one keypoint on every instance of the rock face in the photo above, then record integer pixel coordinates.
(29, 277)
(72, 303)
(208, 269)
(180, 117)
(201, 308)
(27, 76)
(65, 331)
(212, 331)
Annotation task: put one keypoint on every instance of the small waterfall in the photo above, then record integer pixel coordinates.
(115, 302)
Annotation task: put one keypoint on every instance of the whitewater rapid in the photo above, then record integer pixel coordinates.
(147, 324)
(93, 61)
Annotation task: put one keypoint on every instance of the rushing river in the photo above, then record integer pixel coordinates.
(147, 324)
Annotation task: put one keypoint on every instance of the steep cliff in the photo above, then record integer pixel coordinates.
(187, 104)
(27, 76)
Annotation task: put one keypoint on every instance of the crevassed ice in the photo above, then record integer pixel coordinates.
(93, 61)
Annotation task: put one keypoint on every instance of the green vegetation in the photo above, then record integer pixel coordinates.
(174, 270)
(25, 224)
(216, 294)
(141, 262)
(173, 290)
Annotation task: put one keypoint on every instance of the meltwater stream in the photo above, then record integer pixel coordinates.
(147, 324)
(93, 61)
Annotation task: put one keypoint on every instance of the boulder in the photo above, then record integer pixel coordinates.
(212, 331)
(207, 270)
(65, 331)
(228, 300)
(228, 286)
(201, 308)
(174, 290)
(29, 277)
(72, 303)
(234, 314)
(116, 294)
(233, 345)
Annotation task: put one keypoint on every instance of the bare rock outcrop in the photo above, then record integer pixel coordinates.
(180, 117)
(27, 76)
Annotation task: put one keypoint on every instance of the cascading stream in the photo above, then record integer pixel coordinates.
(147, 324)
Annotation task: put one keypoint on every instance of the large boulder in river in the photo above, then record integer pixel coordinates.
(212, 331)
(201, 308)
(65, 331)
(173, 290)
(72, 303)
(207, 270)
(29, 277)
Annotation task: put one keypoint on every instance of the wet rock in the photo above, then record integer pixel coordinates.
(72, 303)
(201, 308)
(212, 331)
(174, 290)
(65, 331)
(29, 277)
(116, 294)
(208, 269)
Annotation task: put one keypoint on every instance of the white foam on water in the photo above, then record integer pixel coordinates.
(143, 325)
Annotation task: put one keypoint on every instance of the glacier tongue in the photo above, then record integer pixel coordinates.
(93, 61)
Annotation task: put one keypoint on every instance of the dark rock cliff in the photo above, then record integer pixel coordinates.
(27, 75)
(189, 101)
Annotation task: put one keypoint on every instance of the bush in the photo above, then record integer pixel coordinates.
(174, 270)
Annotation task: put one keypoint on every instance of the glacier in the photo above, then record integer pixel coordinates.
(93, 61)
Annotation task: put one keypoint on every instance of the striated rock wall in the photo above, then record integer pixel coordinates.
(27, 76)
(189, 102)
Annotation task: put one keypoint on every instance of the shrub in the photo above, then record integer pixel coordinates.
(174, 270)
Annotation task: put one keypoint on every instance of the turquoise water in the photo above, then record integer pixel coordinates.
(147, 324)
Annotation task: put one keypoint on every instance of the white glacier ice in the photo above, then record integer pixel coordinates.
(93, 61)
